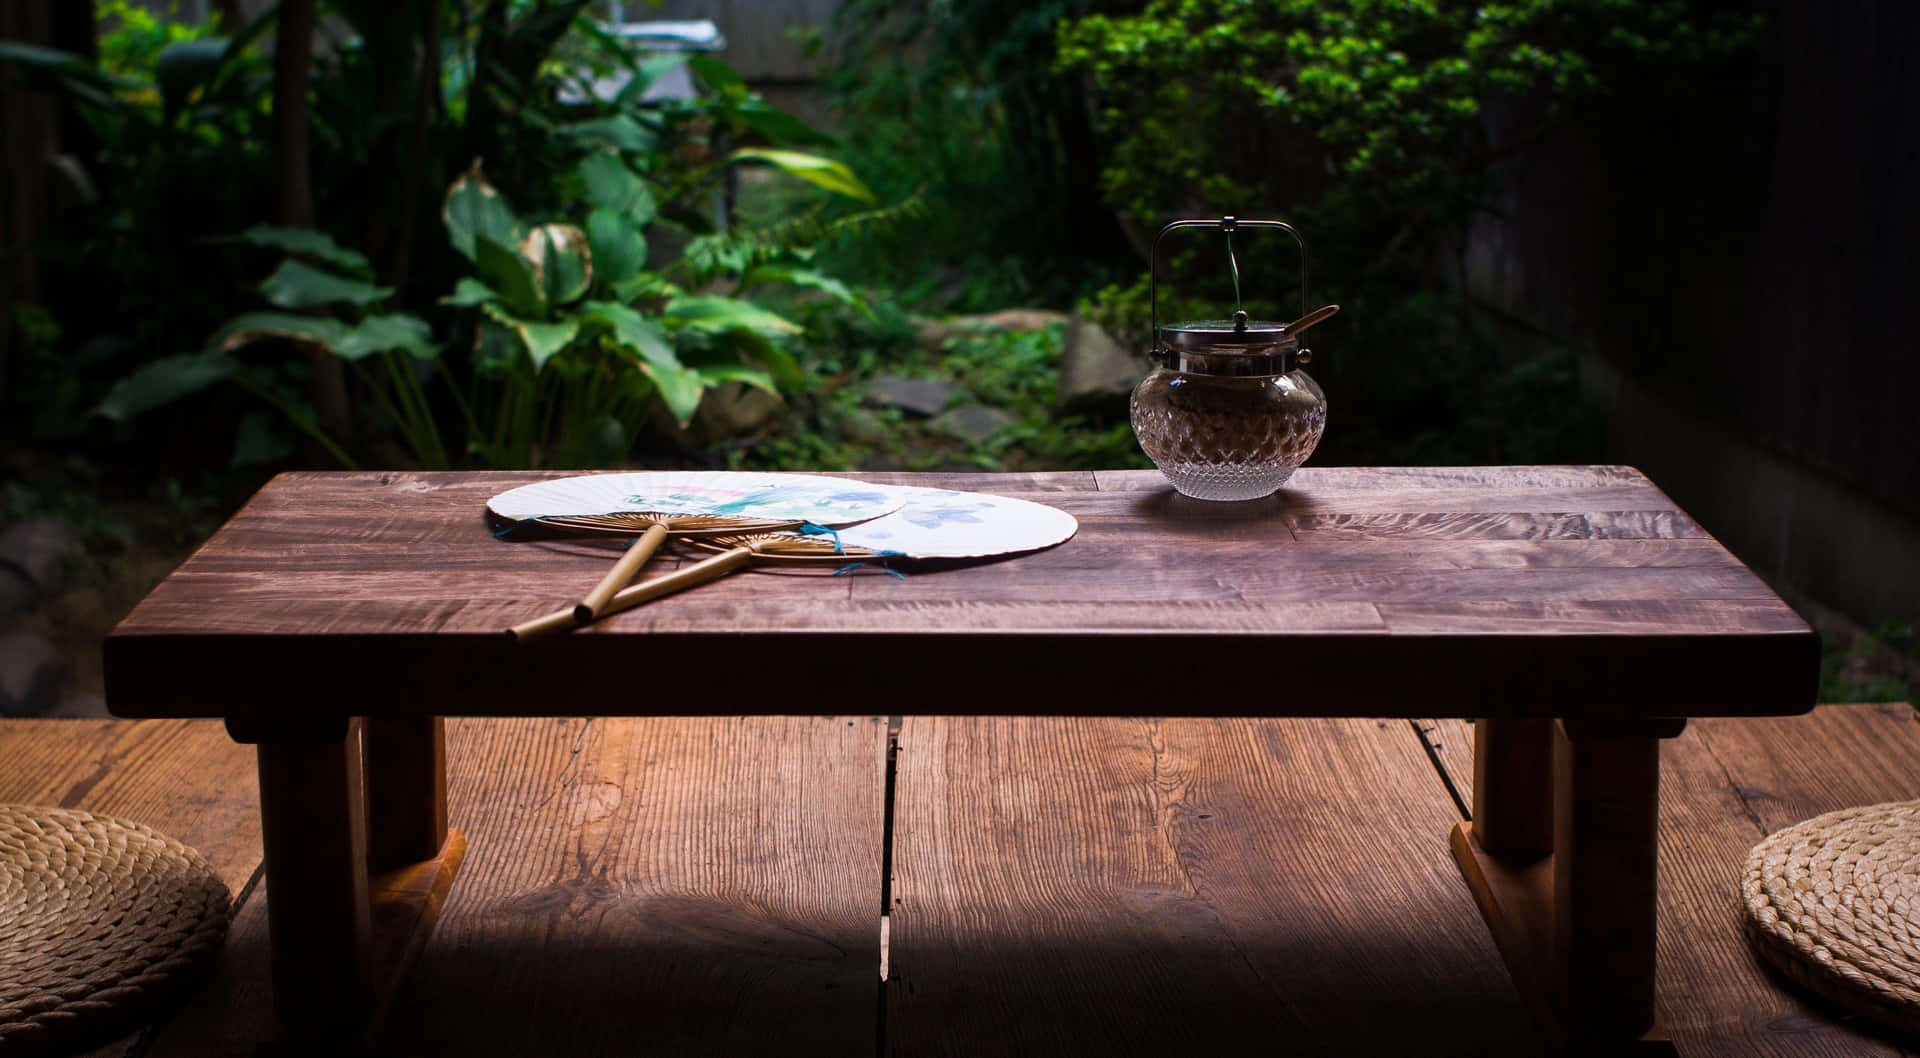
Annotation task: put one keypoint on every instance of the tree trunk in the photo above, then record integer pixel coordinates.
(293, 186)
(27, 130)
(426, 102)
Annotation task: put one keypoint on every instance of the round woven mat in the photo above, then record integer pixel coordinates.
(99, 920)
(1834, 903)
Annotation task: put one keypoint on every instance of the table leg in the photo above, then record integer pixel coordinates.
(1578, 927)
(1606, 815)
(359, 859)
(406, 790)
(1513, 787)
(313, 826)
(412, 853)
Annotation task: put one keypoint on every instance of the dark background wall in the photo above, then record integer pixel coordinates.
(1734, 259)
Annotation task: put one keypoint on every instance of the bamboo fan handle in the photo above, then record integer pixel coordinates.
(627, 598)
(595, 602)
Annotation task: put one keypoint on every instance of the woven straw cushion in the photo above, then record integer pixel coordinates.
(1834, 903)
(99, 920)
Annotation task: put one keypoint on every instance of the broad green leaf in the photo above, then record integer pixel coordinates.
(541, 340)
(254, 326)
(621, 131)
(713, 314)
(25, 54)
(474, 210)
(780, 126)
(184, 66)
(63, 71)
(469, 292)
(726, 346)
(164, 381)
(611, 185)
(298, 285)
(805, 278)
(680, 388)
(619, 250)
(636, 332)
(716, 373)
(818, 171)
(780, 364)
(644, 286)
(375, 334)
(645, 73)
(717, 75)
(512, 275)
(561, 261)
(309, 243)
(386, 333)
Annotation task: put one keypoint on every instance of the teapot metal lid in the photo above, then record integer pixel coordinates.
(1237, 334)
(1236, 347)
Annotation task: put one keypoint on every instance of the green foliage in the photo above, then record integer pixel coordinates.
(1882, 665)
(383, 347)
(1366, 124)
(1228, 104)
(139, 37)
(515, 342)
(961, 103)
(820, 172)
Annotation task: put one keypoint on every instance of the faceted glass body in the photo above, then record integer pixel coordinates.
(1228, 438)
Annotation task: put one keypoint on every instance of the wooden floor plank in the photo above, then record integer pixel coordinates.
(1117, 886)
(184, 778)
(1725, 784)
(658, 886)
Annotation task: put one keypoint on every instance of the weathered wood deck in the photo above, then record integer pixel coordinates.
(1058, 886)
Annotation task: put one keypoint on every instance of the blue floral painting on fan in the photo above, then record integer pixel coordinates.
(940, 523)
(960, 510)
(800, 503)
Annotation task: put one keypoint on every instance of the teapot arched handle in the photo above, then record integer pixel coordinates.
(1224, 224)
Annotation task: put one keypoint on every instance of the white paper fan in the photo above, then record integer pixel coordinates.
(656, 504)
(941, 523)
(933, 524)
(627, 501)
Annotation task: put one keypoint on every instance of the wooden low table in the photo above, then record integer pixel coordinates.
(1575, 611)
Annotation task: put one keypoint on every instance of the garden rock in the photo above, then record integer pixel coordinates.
(735, 409)
(921, 396)
(29, 675)
(1095, 369)
(934, 333)
(973, 422)
(866, 427)
(33, 562)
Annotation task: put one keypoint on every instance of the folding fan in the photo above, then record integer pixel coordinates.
(658, 504)
(933, 524)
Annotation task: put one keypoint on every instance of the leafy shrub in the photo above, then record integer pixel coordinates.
(512, 342)
(1354, 105)
(961, 102)
(1364, 123)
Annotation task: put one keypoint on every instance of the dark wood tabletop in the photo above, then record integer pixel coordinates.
(1493, 591)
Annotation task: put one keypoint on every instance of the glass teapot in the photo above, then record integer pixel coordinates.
(1227, 413)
